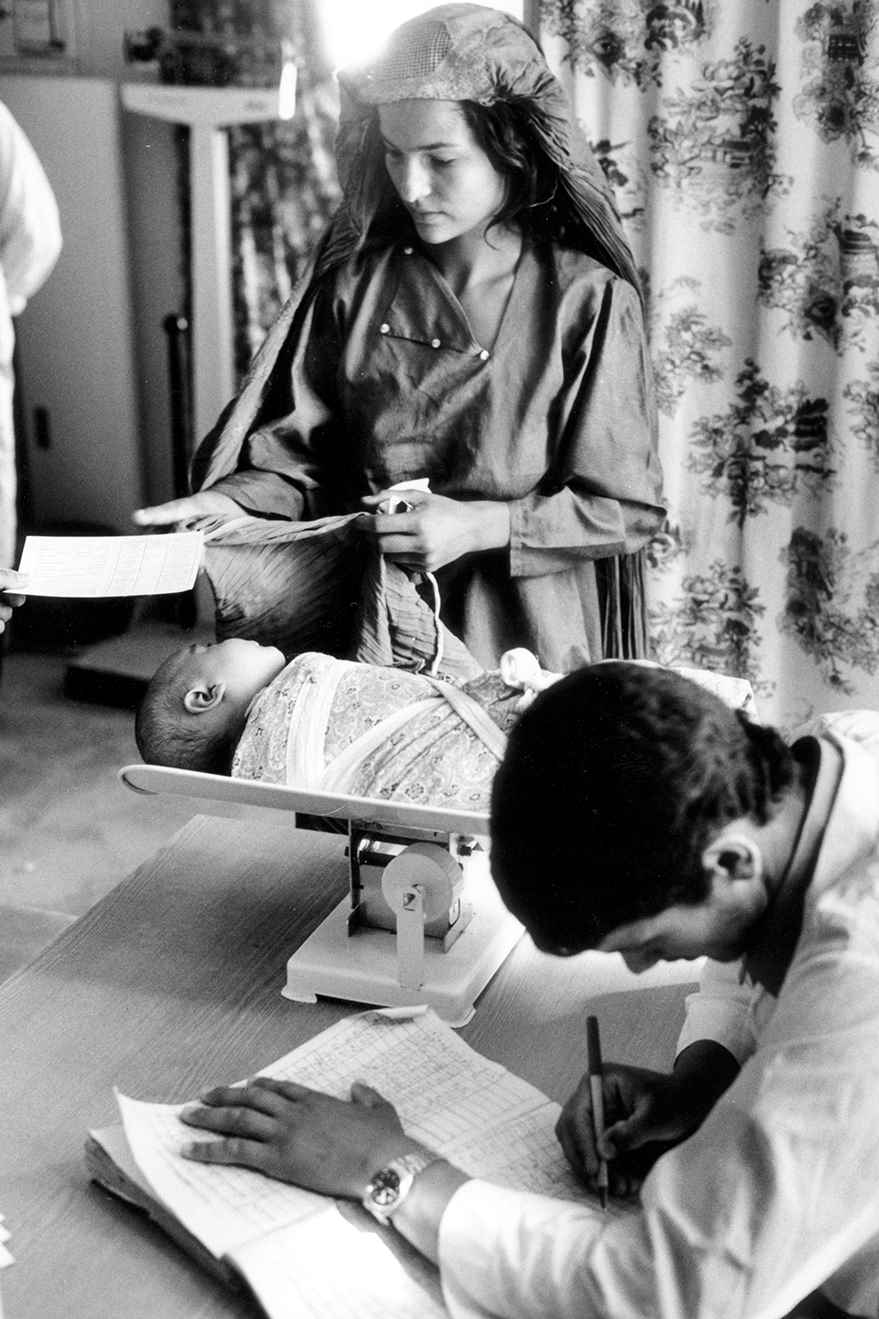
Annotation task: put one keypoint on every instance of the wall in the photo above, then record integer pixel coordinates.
(151, 213)
(75, 364)
(93, 30)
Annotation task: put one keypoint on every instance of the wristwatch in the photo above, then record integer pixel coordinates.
(387, 1189)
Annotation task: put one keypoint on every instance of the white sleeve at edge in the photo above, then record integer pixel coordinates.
(720, 1010)
(508, 1254)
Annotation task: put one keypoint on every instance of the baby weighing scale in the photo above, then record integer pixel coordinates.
(422, 922)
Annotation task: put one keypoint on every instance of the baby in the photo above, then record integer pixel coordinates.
(323, 724)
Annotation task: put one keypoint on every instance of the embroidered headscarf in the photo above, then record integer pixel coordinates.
(464, 52)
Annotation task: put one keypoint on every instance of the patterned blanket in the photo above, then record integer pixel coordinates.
(366, 731)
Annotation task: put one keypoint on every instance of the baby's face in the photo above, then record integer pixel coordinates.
(245, 667)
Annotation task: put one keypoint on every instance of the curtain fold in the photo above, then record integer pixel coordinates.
(283, 184)
(743, 144)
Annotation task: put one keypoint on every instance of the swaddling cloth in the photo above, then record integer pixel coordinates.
(361, 730)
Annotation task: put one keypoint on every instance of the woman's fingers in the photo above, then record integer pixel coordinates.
(163, 515)
(396, 524)
(6, 608)
(203, 503)
(386, 500)
(10, 580)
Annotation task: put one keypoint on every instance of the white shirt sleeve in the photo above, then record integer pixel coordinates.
(721, 1010)
(30, 230)
(776, 1192)
(859, 725)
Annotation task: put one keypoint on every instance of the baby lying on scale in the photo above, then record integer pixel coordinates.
(328, 725)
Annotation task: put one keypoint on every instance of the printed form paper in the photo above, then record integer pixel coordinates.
(92, 567)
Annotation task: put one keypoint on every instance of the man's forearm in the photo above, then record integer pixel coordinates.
(702, 1072)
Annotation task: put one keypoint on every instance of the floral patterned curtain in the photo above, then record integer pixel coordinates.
(283, 175)
(743, 142)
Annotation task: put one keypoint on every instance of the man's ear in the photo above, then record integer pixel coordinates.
(198, 700)
(733, 856)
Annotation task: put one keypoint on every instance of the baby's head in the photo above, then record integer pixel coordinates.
(196, 704)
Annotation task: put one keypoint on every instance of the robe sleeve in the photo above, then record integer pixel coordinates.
(289, 465)
(603, 493)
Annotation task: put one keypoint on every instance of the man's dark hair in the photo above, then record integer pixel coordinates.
(613, 783)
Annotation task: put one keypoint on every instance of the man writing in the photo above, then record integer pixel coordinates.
(635, 812)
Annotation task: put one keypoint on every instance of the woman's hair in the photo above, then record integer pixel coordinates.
(167, 734)
(503, 131)
(613, 784)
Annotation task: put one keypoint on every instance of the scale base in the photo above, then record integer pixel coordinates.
(362, 967)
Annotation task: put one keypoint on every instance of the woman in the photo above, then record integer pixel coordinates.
(472, 317)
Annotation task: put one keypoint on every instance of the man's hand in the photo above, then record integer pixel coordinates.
(203, 504)
(9, 597)
(299, 1135)
(643, 1118)
(645, 1114)
(436, 530)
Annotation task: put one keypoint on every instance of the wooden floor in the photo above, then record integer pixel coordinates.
(69, 831)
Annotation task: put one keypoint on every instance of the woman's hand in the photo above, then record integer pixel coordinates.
(203, 504)
(299, 1135)
(435, 530)
(643, 1117)
(9, 597)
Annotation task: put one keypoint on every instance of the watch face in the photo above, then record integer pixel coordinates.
(385, 1187)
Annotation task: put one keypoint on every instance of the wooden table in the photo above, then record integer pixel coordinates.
(172, 983)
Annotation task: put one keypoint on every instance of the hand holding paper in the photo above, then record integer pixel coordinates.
(11, 586)
(89, 567)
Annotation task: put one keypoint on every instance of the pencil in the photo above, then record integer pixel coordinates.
(596, 1091)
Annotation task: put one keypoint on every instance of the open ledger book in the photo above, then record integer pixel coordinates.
(302, 1254)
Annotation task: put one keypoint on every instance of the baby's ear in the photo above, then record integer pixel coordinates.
(206, 697)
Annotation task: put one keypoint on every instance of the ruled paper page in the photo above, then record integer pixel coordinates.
(223, 1207)
(444, 1091)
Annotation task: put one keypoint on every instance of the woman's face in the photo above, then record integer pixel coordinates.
(443, 177)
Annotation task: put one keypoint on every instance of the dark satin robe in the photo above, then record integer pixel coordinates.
(556, 418)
